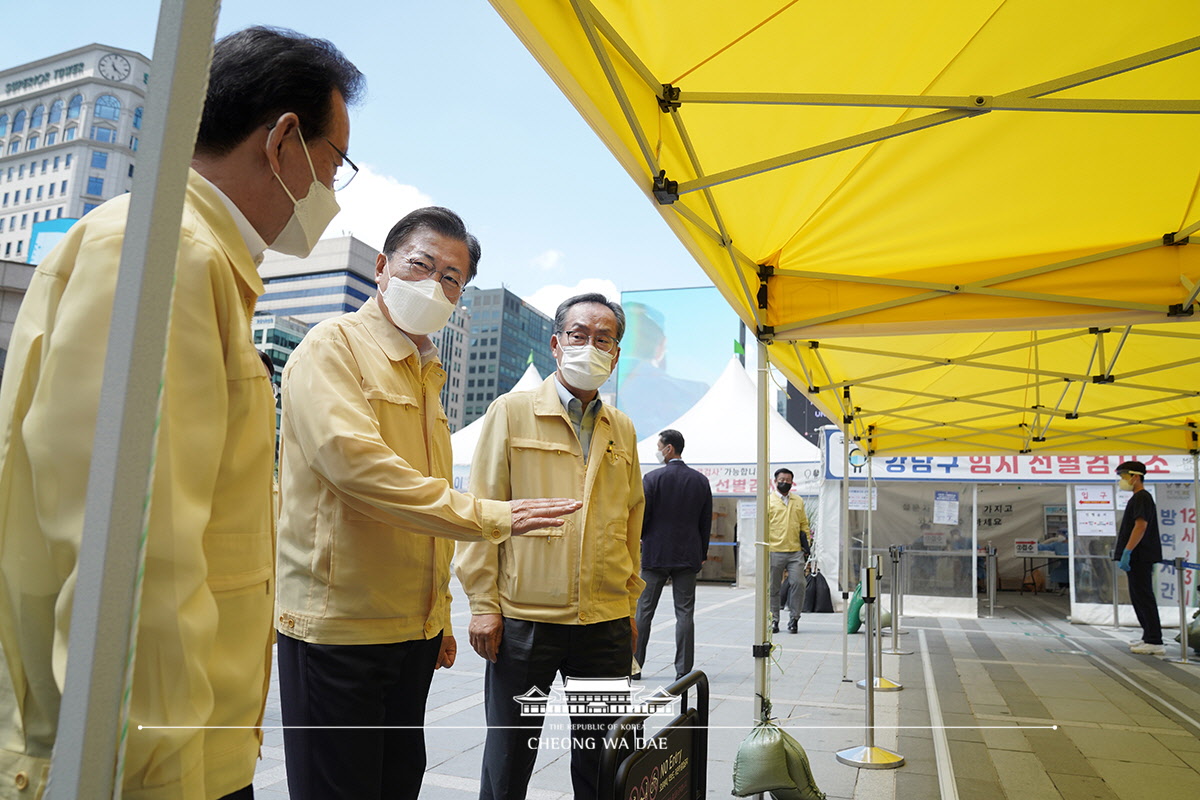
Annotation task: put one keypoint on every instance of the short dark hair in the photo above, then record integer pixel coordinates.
(673, 438)
(441, 221)
(782, 470)
(560, 316)
(260, 73)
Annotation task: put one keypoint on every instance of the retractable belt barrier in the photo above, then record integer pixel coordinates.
(869, 756)
(896, 552)
(1180, 590)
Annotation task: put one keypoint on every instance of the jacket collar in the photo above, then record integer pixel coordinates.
(207, 202)
(391, 340)
(547, 403)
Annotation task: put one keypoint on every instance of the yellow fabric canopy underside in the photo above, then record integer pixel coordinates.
(950, 199)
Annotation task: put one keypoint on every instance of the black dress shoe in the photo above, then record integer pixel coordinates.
(637, 676)
(775, 626)
(793, 625)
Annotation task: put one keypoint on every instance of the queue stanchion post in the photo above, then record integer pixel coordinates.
(894, 551)
(1116, 590)
(904, 578)
(868, 756)
(992, 580)
(881, 684)
(1181, 591)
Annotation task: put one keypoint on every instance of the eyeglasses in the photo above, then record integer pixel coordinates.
(580, 338)
(450, 284)
(345, 172)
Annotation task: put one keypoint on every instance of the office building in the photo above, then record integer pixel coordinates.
(337, 277)
(506, 334)
(451, 343)
(69, 128)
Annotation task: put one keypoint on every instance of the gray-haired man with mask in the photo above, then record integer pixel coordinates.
(367, 514)
(562, 603)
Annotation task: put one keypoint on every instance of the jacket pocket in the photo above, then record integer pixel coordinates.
(536, 567)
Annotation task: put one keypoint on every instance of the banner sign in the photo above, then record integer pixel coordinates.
(1001, 469)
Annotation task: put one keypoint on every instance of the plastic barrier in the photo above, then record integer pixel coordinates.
(672, 763)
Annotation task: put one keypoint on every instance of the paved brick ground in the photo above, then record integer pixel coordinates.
(1127, 726)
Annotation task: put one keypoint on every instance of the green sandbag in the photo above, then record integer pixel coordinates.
(770, 760)
(854, 620)
(885, 618)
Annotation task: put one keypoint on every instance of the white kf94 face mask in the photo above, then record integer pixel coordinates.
(417, 307)
(584, 367)
(311, 214)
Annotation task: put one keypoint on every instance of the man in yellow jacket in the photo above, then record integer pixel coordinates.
(787, 540)
(562, 602)
(368, 514)
(274, 131)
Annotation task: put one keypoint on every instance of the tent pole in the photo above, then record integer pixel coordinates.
(92, 724)
(762, 569)
(1195, 495)
(846, 544)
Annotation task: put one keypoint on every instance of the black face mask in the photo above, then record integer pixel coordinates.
(783, 488)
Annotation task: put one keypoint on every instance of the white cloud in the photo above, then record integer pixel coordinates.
(548, 298)
(372, 205)
(547, 261)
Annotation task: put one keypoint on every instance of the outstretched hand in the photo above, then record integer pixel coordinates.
(532, 514)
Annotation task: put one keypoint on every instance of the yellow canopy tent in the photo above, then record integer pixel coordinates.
(985, 195)
(962, 226)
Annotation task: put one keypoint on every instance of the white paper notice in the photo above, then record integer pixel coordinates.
(945, 508)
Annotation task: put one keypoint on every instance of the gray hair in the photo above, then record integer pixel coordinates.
(560, 316)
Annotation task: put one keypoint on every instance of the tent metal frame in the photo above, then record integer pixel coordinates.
(1030, 99)
(821, 381)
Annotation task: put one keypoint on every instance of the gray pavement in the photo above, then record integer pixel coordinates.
(1028, 706)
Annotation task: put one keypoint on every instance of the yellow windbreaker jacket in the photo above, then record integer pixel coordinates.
(588, 570)
(786, 521)
(366, 489)
(204, 634)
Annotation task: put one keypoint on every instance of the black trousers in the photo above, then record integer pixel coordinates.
(531, 655)
(337, 688)
(1141, 595)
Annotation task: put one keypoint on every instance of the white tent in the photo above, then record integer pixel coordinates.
(463, 441)
(721, 428)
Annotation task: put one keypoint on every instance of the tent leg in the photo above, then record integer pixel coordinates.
(87, 762)
(762, 570)
(846, 539)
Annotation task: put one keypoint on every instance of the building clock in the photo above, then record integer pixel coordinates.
(114, 66)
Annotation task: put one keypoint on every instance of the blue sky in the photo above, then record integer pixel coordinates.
(457, 113)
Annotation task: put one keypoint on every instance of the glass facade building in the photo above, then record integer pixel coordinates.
(507, 334)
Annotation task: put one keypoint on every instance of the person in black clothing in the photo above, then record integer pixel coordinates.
(1138, 549)
(675, 533)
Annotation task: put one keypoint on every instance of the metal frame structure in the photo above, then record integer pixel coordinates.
(1079, 382)
(1027, 427)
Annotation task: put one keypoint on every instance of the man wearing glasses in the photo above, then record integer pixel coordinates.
(562, 601)
(262, 174)
(367, 512)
